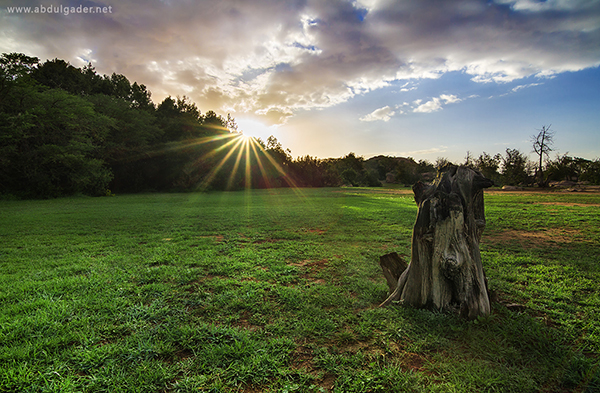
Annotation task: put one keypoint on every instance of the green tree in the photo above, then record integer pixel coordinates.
(407, 171)
(514, 167)
(278, 165)
(591, 172)
(180, 119)
(309, 171)
(349, 176)
(441, 162)
(488, 166)
(140, 98)
(130, 144)
(50, 142)
(567, 168)
(425, 166)
(120, 87)
(15, 70)
(58, 74)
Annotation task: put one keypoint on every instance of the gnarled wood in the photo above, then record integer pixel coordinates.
(445, 271)
(392, 266)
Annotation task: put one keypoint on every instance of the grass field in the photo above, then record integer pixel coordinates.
(277, 291)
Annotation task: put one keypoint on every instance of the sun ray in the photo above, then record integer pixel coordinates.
(214, 152)
(279, 169)
(248, 173)
(248, 177)
(293, 185)
(178, 145)
(211, 175)
(261, 167)
(238, 159)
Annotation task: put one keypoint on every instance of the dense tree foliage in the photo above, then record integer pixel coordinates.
(67, 130)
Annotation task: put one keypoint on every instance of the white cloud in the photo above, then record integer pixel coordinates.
(383, 114)
(450, 98)
(433, 150)
(432, 105)
(547, 5)
(517, 88)
(435, 104)
(275, 58)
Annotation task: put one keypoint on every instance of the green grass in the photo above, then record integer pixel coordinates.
(277, 291)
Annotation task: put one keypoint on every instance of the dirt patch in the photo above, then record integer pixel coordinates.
(217, 238)
(244, 322)
(413, 361)
(302, 359)
(311, 269)
(183, 354)
(267, 240)
(532, 239)
(406, 191)
(159, 264)
(578, 190)
(568, 204)
(253, 389)
(327, 381)
(386, 247)
(310, 263)
(199, 283)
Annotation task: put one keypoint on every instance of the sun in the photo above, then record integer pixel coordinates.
(237, 160)
(245, 138)
(255, 129)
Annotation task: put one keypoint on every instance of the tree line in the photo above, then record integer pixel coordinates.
(66, 130)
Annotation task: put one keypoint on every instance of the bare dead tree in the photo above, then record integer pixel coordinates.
(445, 270)
(469, 160)
(542, 146)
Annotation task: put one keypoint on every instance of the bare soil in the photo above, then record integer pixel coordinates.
(550, 237)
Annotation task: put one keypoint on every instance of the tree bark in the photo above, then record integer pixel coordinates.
(445, 271)
(393, 266)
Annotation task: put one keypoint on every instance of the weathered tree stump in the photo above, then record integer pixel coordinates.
(393, 266)
(445, 270)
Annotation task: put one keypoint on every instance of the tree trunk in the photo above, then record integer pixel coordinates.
(445, 271)
(393, 266)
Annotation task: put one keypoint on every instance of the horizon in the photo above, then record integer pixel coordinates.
(422, 80)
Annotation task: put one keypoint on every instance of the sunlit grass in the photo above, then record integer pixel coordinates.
(266, 290)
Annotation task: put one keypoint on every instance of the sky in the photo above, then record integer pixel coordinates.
(422, 79)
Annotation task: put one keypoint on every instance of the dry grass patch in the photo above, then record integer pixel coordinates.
(311, 269)
(569, 204)
(550, 237)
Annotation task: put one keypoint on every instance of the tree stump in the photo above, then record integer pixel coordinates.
(445, 270)
(393, 266)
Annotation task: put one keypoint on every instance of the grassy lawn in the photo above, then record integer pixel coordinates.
(277, 291)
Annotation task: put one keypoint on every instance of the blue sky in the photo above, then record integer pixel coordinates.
(424, 79)
(489, 117)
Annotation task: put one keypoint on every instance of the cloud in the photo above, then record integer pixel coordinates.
(552, 5)
(272, 58)
(517, 88)
(435, 104)
(433, 150)
(450, 98)
(383, 114)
